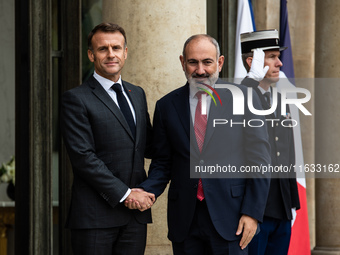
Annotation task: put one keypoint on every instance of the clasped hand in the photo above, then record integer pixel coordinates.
(139, 199)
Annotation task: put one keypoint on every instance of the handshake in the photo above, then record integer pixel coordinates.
(139, 199)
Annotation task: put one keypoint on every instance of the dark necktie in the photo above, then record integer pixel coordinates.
(267, 97)
(200, 127)
(124, 107)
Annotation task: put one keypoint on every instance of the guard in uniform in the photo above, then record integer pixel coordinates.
(260, 54)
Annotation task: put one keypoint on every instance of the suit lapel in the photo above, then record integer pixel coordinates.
(181, 104)
(102, 95)
(218, 111)
(278, 109)
(264, 103)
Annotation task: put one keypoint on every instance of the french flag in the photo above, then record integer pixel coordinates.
(299, 243)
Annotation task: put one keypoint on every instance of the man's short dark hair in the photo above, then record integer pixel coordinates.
(244, 60)
(105, 27)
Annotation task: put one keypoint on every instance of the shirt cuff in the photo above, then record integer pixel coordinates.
(125, 196)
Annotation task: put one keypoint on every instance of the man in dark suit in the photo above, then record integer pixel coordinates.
(263, 67)
(207, 215)
(107, 130)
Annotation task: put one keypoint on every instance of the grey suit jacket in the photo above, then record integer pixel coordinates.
(106, 159)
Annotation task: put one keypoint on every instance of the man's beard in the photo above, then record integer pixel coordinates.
(205, 78)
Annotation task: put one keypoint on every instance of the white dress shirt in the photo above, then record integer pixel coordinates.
(107, 84)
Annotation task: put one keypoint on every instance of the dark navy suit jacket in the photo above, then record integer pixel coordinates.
(227, 198)
(283, 193)
(105, 157)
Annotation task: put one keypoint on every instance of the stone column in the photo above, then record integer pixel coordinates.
(328, 120)
(156, 32)
(267, 14)
(302, 32)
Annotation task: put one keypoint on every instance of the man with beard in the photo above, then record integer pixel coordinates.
(206, 215)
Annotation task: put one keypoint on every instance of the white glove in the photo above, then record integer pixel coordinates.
(257, 71)
(294, 215)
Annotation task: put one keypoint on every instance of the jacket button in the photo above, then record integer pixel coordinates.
(201, 162)
(278, 153)
(276, 138)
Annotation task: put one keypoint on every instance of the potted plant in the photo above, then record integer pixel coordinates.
(7, 174)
